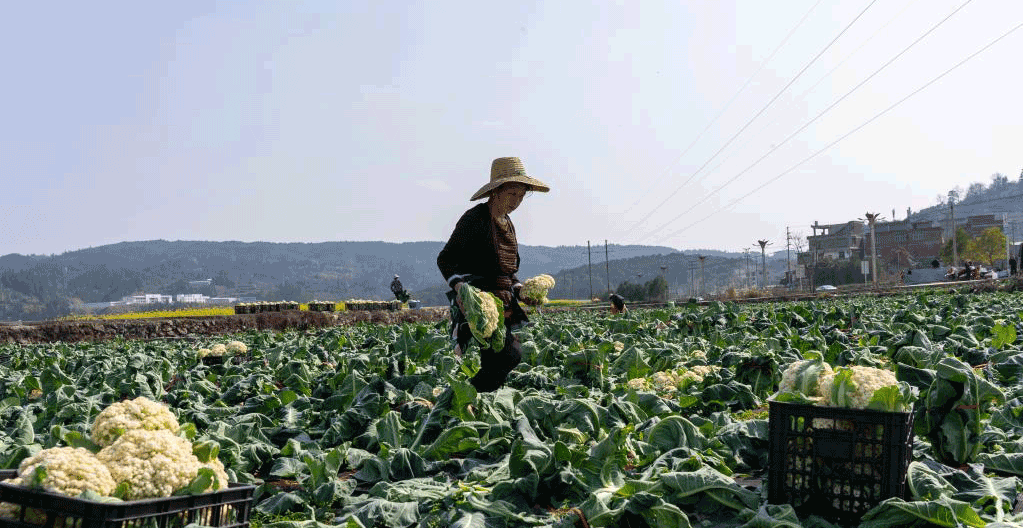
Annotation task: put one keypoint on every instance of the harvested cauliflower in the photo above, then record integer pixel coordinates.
(854, 386)
(535, 289)
(140, 413)
(485, 313)
(69, 471)
(154, 463)
(805, 377)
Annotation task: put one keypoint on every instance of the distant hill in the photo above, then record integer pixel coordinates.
(1001, 196)
(265, 270)
(682, 271)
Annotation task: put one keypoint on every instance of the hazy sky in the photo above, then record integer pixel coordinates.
(311, 121)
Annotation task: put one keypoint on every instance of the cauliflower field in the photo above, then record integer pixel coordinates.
(653, 419)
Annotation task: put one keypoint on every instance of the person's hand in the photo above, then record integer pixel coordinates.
(529, 301)
(458, 295)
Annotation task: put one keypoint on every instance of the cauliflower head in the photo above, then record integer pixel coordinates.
(805, 377)
(535, 288)
(69, 471)
(854, 386)
(154, 463)
(127, 415)
(237, 347)
(485, 314)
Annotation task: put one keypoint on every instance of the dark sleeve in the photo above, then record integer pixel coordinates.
(457, 252)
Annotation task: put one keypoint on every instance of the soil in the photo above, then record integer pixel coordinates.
(185, 327)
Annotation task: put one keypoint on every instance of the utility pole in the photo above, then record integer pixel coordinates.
(701, 292)
(1005, 230)
(788, 259)
(607, 266)
(763, 260)
(871, 218)
(955, 243)
(663, 268)
(589, 267)
(750, 281)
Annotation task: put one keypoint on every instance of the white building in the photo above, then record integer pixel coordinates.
(191, 298)
(149, 298)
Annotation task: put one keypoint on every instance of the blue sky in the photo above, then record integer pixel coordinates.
(318, 121)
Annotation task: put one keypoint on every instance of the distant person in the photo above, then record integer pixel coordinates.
(617, 304)
(398, 290)
(484, 252)
(1012, 266)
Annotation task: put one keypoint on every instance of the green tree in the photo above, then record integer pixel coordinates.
(962, 241)
(631, 292)
(989, 246)
(657, 288)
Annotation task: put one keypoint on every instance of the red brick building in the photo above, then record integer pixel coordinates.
(905, 244)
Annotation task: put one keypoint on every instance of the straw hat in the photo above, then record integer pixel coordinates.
(508, 170)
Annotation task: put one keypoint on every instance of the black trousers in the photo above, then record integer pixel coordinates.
(494, 365)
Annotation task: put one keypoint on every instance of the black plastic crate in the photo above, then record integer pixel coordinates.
(837, 463)
(228, 508)
(219, 360)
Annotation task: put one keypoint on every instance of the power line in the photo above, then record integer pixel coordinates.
(853, 131)
(748, 123)
(725, 109)
(812, 121)
(803, 95)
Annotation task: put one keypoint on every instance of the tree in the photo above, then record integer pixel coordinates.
(974, 191)
(999, 180)
(962, 240)
(631, 292)
(989, 246)
(657, 288)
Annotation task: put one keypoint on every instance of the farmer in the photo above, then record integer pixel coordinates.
(484, 252)
(398, 290)
(617, 304)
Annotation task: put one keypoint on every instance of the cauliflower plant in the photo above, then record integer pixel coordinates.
(154, 463)
(140, 413)
(69, 471)
(237, 347)
(535, 289)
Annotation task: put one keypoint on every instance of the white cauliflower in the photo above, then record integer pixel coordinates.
(218, 469)
(856, 391)
(237, 347)
(154, 463)
(535, 289)
(69, 471)
(140, 413)
(484, 313)
(217, 350)
(804, 377)
(637, 383)
(619, 346)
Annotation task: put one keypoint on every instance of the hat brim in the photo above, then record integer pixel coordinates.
(533, 183)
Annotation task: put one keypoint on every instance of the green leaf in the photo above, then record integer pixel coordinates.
(1003, 335)
(946, 512)
(206, 450)
(454, 440)
(202, 482)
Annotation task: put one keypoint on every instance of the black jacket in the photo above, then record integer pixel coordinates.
(470, 255)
